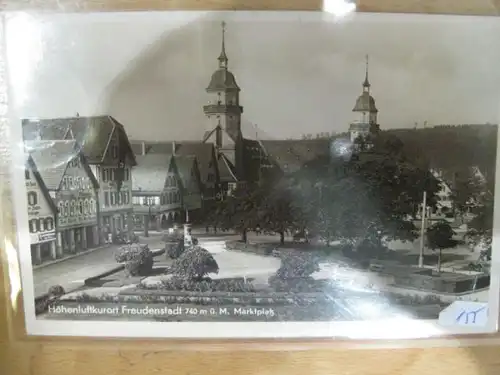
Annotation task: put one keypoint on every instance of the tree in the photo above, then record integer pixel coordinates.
(194, 264)
(373, 195)
(277, 211)
(440, 236)
(239, 211)
(480, 228)
(467, 189)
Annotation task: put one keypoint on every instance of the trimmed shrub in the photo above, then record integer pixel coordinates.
(134, 238)
(477, 267)
(195, 263)
(174, 249)
(260, 249)
(56, 291)
(173, 237)
(138, 259)
(295, 265)
(294, 273)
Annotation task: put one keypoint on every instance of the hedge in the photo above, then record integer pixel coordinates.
(260, 249)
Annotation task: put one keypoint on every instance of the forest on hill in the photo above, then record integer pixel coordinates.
(454, 148)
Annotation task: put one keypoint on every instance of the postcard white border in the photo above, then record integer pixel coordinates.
(388, 329)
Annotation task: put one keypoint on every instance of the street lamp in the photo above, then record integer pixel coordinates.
(187, 229)
(147, 221)
(422, 230)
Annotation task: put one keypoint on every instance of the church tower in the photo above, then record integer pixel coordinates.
(223, 111)
(365, 111)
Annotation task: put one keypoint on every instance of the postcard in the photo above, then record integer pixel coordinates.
(255, 174)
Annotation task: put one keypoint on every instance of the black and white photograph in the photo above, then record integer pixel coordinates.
(255, 174)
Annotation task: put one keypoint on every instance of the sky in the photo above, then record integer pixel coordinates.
(299, 73)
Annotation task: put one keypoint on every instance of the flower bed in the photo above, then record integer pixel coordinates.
(206, 298)
(206, 285)
(260, 249)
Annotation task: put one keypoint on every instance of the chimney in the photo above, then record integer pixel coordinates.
(143, 144)
(174, 148)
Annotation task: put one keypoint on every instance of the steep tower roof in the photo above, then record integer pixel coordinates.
(222, 79)
(365, 102)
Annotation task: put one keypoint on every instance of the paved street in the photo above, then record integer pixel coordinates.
(71, 273)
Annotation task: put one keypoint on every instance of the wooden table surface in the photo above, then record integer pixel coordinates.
(21, 356)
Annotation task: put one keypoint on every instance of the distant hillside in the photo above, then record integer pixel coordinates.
(454, 147)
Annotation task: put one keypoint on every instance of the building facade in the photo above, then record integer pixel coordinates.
(207, 164)
(188, 178)
(156, 193)
(77, 203)
(106, 147)
(41, 217)
(68, 180)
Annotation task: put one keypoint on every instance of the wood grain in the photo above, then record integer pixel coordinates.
(20, 355)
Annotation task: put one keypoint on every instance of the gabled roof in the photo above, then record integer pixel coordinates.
(291, 155)
(30, 164)
(150, 173)
(51, 159)
(44, 130)
(92, 133)
(227, 172)
(204, 152)
(187, 169)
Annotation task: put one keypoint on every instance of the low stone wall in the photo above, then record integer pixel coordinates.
(255, 248)
(442, 284)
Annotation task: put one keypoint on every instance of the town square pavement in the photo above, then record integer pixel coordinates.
(71, 273)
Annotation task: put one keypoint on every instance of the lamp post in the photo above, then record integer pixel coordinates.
(187, 230)
(422, 230)
(146, 221)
